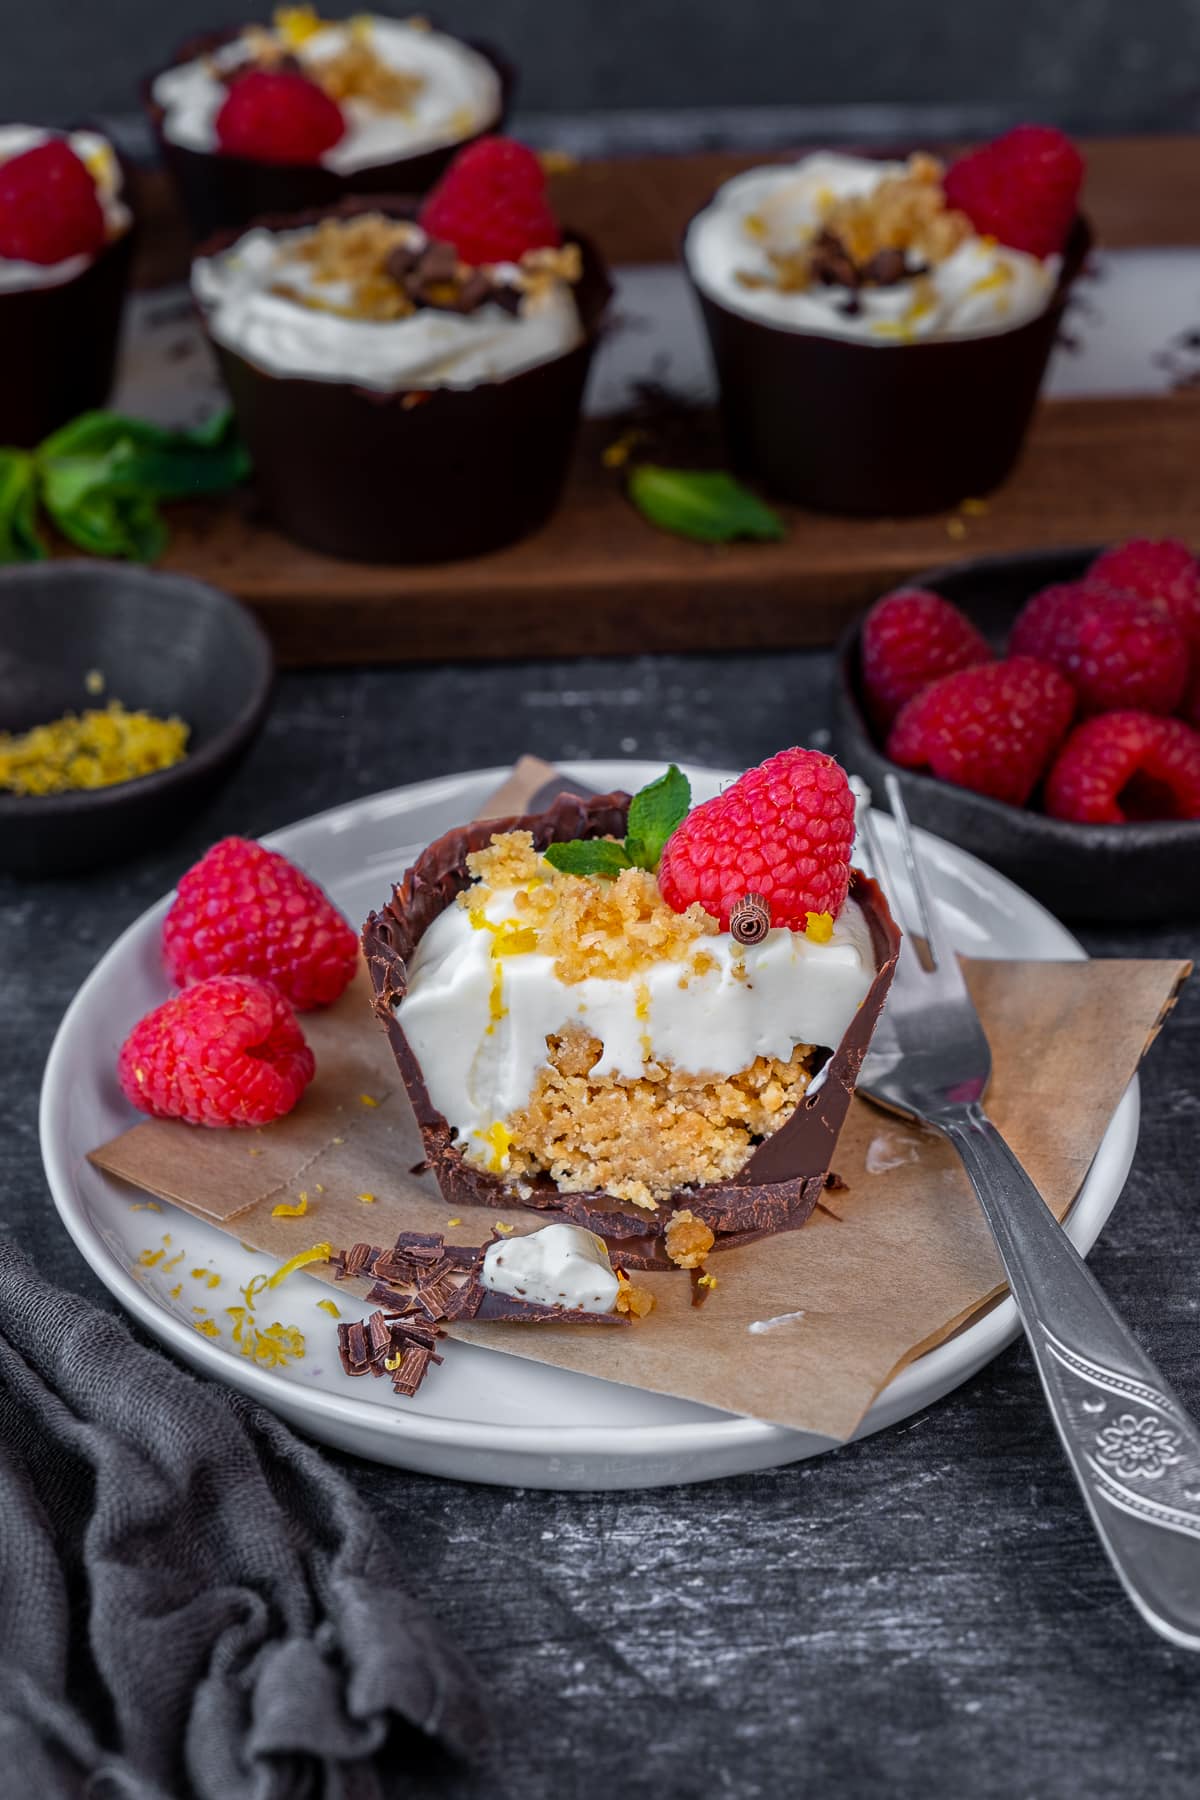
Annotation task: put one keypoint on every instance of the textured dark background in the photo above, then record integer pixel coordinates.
(925, 1614)
(1083, 63)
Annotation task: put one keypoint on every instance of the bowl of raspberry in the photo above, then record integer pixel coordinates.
(66, 241)
(305, 111)
(1043, 711)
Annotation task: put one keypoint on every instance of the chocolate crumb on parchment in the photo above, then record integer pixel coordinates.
(420, 1284)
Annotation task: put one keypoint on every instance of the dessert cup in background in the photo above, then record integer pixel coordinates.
(60, 314)
(463, 91)
(419, 429)
(843, 978)
(875, 352)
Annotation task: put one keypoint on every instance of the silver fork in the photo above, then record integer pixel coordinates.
(1134, 1450)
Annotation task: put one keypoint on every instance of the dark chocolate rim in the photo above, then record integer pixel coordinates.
(783, 1178)
(204, 43)
(1080, 240)
(593, 291)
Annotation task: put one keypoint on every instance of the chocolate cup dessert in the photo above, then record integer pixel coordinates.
(221, 192)
(414, 475)
(842, 426)
(58, 345)
(783, 1178)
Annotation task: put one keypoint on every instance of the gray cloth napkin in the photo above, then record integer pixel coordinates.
(192, 1602)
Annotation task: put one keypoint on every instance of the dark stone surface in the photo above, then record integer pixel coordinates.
(1104, 62)
(925, 1613)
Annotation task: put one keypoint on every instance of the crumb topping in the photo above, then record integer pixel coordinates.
(637, 1301)
(384, 269)
(688, 1239)
(591, 927)
(355, 71)
(641, 1139)
(900, 230)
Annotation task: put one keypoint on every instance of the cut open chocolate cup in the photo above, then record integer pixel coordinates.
(844, 426)
(221, 192)
(783, 1178)
(413, 475)
(58, 345)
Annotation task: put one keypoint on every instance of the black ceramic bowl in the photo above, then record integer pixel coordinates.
(162, 642)
(1134, 873)
(221, 192)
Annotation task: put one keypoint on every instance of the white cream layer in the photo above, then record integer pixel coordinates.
(560, 1265)
(98, 155)
(480, 1069)
(461, 95)
(427, 349)
(982, 287)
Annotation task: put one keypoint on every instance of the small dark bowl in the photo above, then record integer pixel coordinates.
(1121, 873)
(875, 430)
(412, 475)
(162, 642)
(222, 193)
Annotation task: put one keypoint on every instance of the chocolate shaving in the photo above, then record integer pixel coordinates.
(749, 918)
(834, 1184)
(412, 1369)
(887, 267)
(700, 1289)
(831, 263)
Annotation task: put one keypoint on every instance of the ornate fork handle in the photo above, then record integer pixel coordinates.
(1134, 1450)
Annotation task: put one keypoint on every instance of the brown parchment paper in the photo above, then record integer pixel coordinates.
(802, 1329)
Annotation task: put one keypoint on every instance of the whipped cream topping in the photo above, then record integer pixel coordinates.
(560, 1265)
(427, 349)
(981, 287)
(100, 159)
(480, 1036)
(459, 96)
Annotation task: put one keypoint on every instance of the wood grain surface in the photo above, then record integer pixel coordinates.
(597, 578)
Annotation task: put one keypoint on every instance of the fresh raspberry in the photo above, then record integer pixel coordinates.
(784, 830)
(909, 638)
(243, 910)
(1165, 572)
(1126, 765)
(992, 729)
(491, 203)
(1118, 652)
(278, 116)
(49, 208)
(225, 1052)
(1022, 188)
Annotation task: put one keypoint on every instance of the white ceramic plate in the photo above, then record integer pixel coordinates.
(485, 1416)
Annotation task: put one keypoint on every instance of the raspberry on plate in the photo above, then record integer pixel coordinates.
(909, 638)
(225, 1052)
(278, 116)
(1022, 188)
(491, 204)
(1118, 651)
(1126, 765)
(783, 830)
(245, 910)
(992, 729)
(49, 208)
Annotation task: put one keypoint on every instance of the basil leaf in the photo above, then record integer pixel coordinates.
(653, 815)
(587, 856)
(705, 504)
(19, 538)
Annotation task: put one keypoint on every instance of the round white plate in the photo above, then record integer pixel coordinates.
(483, 1416)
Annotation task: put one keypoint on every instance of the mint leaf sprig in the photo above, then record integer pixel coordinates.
(100, 479)
(653, 815)
(707, 505)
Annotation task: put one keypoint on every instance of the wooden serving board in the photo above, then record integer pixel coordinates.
(599, 580)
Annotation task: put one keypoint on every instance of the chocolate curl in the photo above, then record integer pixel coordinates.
(750, 919)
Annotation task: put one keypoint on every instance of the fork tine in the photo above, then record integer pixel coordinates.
(877, 857)
(933, 926)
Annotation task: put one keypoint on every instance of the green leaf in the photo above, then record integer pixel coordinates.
(587, 856)
(653, 815)
(707, 505)
(19, 537)
(101, 478)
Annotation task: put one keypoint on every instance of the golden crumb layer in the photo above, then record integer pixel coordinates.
(590, 925)
(640, 1140)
